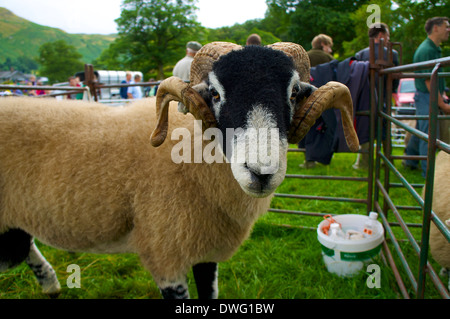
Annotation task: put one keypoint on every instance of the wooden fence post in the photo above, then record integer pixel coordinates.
(90, 80)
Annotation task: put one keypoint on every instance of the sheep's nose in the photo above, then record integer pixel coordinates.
(258, 182)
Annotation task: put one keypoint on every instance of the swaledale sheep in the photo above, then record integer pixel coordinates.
(87, 178)
(439, 246)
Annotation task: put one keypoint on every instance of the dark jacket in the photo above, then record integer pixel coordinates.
(326, 136)
(319, 141)
(124, 91)
(317, 56)
(364, 55)
(355, 75)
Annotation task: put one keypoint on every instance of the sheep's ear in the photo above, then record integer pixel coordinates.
(202, 89)
(306, 90)
(182, 108)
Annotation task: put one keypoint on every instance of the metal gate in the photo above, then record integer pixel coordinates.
(383, 184)
(381, 167)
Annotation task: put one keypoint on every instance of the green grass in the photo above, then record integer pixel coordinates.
(275, 262)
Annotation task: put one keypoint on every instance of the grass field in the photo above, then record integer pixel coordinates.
(275, 262)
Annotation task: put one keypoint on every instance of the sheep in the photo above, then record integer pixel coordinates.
(85, 177)
(439, 246)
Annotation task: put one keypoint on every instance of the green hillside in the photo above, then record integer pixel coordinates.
(20, 37)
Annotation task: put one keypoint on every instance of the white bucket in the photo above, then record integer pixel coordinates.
(346, 257)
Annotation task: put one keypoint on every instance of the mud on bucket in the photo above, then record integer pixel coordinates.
(349, 241)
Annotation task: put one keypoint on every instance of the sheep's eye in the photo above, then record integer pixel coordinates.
(295, 92)
(215, 95)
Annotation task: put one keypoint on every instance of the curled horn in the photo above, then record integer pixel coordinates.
(331, 95)
(175, 89)
(205, 58)
(298, 54)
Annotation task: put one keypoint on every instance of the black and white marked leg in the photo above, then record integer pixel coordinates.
(174, 289)
(206, 280)
(43, 271)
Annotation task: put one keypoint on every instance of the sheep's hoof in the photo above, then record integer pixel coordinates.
(52, 290)
(54, 295)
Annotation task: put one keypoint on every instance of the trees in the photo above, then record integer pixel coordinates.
(346, 22)
(300, 21)
(362, 17)
(59, 60)
(410, 17)
(21, 63)
(239, 33)
(152, 34)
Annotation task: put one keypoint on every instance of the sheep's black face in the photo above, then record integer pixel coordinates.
(253, 93)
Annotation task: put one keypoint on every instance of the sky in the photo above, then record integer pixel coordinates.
(73, 16)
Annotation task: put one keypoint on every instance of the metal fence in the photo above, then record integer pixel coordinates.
(91, 89)
(61, 90)
(378, 197)
(383, 202)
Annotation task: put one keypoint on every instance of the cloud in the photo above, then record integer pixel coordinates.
(89, 16)
(218, 13)
(80, 16)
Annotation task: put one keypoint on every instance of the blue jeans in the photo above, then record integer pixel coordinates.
(417, 146)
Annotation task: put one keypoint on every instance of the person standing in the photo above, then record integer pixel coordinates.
(253, 39)
(183, 67)
(124, 90)
(377, 32)
(437, 29)
(320, 53)
(135, 92)
(73, 82)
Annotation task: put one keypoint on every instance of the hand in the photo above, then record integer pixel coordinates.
(445, 108)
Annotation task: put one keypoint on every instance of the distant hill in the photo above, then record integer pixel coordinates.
(19, 37)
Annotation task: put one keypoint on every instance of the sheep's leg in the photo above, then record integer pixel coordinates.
(206, 280)
(43, 271)
(174, 289)
(14, 248)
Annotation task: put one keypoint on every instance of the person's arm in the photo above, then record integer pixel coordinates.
(130, 92)
(442, 105)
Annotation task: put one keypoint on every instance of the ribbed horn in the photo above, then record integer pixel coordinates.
(205, 58)
(298, 54)
(331, 95)
(175, 89)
